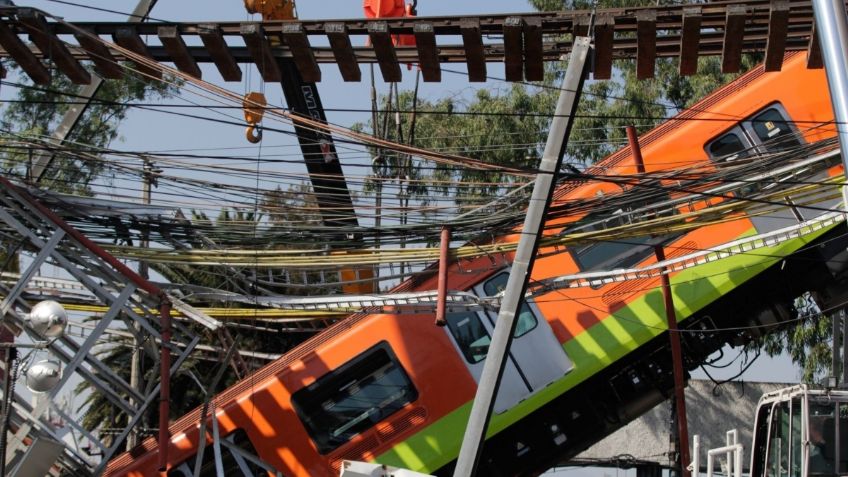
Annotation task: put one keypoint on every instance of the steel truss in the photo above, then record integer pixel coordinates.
(131, 301)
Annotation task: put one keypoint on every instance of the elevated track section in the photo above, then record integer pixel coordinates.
(522, 42)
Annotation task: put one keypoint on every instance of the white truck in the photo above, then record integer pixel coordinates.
(798, 432)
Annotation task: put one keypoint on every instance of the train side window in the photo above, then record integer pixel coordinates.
(730, 146)
(232, 460)
(527, 320)
(469, 333)
(354, 397)
(611, 254)
(772, 128)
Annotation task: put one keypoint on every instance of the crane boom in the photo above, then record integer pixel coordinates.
(332, 195)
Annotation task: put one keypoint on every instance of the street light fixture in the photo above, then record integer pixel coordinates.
(42, 376)
(48, 319)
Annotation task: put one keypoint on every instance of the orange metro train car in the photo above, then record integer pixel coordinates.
(396, 389)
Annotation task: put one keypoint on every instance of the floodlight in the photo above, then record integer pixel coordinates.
(48, 319)
(43, 376)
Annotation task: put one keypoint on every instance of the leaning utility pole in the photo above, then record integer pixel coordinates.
(832, 28)
(148, 181)
(525, 255)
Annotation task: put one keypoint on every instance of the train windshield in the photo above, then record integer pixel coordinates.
(526, 318)
(470, 335)
(354, 397)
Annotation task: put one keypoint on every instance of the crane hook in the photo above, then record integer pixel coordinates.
(254, 108)
(253, 134)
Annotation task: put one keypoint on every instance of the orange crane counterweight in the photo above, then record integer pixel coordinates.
(384, 8)
(392, 9)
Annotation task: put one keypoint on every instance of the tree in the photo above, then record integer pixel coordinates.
(808, 343)
(496, 127)
(36, 112)
(508, 126)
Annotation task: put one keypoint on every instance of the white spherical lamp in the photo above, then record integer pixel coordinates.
(43, 376)
(48, 319)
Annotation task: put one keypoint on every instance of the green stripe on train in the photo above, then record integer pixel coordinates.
(594, 349)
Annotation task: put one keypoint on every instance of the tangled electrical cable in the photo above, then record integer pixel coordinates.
(237, 236)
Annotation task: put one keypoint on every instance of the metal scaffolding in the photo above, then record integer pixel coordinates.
(131, 300)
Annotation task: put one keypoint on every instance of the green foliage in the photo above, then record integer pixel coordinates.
(517, 137)
(39, 110)
(808, 343)
(499, 128)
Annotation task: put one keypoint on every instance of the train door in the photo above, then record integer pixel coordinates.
(536, 358)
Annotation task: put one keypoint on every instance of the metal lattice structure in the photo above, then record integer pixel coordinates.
(132, 308)
(134, 312)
